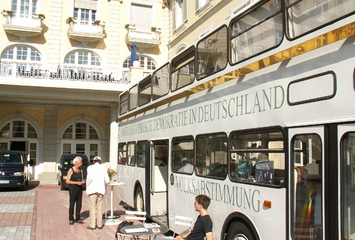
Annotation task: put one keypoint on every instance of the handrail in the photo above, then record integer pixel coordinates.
(38, 70)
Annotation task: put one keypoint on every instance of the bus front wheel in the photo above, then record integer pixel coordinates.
(239, 231)
(138, 200)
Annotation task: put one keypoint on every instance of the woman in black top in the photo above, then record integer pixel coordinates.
(75, 179)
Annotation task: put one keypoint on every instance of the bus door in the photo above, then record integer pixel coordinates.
(346, 135)
(159, 177)
(306, 179)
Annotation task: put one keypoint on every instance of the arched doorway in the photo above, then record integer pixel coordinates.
(81, 135)
(21, 134)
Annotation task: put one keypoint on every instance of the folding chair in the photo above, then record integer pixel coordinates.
(135, 215)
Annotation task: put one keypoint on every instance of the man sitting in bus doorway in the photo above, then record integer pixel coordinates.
(203, 224)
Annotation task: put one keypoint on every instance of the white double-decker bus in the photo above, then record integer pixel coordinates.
(259, 115)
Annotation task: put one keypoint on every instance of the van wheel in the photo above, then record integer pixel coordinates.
(239, 231)
(138, 200)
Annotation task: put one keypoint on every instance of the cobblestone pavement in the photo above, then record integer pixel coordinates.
(41, 213)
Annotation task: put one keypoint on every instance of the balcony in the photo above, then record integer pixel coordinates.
(17, 70)
(23, 26)
(143, 38)
(84, 32)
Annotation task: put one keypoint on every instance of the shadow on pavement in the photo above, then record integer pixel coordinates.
(31, 185)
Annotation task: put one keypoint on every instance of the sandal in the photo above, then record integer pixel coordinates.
(71, 223)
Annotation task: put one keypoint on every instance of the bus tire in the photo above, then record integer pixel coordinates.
(138, 200)
(239, 231)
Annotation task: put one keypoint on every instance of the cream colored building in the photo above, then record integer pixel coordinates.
(191, 20)
(64, 64)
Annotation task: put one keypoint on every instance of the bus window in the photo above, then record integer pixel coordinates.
(133, 97)
(306, 15)
(145, 90)
(258, 158)
(212, 53)
(256, 32)
(183, 154)
(161, 82)
(183, 70)
(122, 153)
(348, 186)
(123, 102)
(131, 154)
(141, 153)
(211, 155)
(307, 192)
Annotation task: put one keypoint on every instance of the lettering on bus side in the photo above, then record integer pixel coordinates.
(235, 106)
(239, 196)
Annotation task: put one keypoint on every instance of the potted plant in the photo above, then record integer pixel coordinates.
(128, 25)
(70, 20)
(153, 29)
(41, 16)
(99, 22)
(9, 13)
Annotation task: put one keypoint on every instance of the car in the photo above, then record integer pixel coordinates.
(14, 169)
(65, 163)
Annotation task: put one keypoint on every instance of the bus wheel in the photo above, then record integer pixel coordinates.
(238, 231)
(138, 200)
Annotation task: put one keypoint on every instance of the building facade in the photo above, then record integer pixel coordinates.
(63, 66)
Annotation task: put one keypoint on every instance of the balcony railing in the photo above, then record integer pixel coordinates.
(142, 38)
(34, 70)
(23, 25)
(86, 32)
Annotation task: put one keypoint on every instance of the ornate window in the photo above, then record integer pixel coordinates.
(24, 8)
(81, 137)
(82, 58)
(147, 63)
(21, 53)
(19, 135)
(180, 13)
(85, 16)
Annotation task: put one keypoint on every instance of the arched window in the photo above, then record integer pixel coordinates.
(82, 58)
(25, 60)
(21, 53)
(19, 135)
(147, 63)
(81, 137)
(82, 64)
(18, 129)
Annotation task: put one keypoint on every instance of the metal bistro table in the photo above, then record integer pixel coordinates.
(149, 230)
(112, 220)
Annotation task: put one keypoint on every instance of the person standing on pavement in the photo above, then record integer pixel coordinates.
(96, 180)
(75, 180)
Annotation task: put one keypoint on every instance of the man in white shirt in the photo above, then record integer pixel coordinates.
(188, 167)
(96, 180)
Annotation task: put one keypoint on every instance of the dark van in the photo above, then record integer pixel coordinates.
(65, 163)
(14, 169)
